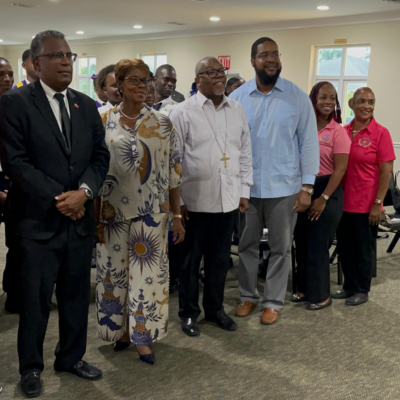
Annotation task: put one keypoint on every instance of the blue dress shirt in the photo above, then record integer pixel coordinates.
(284, 138)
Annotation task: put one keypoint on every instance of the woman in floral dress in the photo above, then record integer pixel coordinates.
(139, 194)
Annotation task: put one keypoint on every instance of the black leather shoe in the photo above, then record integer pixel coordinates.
(190, 326)
(30, 384)
(223, 321)
(356, 300)
(297, 299)
(121, 346)
(342, 294)
(315, 306)
(83, 370)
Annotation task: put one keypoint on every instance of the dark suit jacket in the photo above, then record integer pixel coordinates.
(34, 156)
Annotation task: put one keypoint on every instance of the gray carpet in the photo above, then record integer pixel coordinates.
(337, 353)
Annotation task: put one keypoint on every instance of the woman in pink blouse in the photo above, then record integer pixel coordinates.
(365, 186)
(316, 227)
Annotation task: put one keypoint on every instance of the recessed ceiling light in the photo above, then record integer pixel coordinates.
(137, 26)
(322, 8)
(1, 40)
(80, 32)
(215, 19)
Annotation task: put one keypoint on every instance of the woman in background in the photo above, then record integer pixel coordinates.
(316, 227)
(365, 186)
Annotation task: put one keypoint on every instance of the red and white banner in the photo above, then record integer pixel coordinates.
(225, 61)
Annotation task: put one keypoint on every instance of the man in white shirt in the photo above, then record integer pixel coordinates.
(108, 85)
(215, 145)
(165, 82)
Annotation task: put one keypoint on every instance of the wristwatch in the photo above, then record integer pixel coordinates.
(307, 190)
(178, 216)
(88, 192)
(377, 201)
(325, 196)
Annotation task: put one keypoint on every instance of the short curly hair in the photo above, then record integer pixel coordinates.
(125, 66)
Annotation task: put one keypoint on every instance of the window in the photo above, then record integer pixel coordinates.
(346, 67)
(154, 60)
(86, 67)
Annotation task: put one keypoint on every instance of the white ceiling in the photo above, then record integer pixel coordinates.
(108, 20)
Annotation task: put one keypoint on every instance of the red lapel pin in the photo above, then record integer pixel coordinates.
(76, 105)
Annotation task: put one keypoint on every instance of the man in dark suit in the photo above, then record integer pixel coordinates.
(52, 147)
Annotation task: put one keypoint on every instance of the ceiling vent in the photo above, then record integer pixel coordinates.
(23, 5)
(176, 23)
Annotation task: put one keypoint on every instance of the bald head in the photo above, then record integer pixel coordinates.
(363, 90)
(211, 78)
(204, 63)
(165, 82)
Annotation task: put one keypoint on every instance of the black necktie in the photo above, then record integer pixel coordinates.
(157, 106)
(66, 122)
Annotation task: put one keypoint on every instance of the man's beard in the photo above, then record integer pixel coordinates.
(266, 79)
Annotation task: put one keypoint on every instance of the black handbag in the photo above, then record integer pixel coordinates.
(395, 193)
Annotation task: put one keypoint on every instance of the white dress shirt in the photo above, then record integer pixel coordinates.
(207, 186)
(105, 108)
(166, 105)
(55, 106)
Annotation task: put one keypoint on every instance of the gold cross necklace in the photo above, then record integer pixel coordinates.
(224, 159)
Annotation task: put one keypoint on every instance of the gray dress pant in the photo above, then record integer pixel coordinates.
(279, 217)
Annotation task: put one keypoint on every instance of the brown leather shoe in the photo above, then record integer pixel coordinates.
(269, 316)
(245, 308)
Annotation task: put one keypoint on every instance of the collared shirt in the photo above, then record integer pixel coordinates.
(99, 103)
(372, 146)
(105, 108)
(333, 139)
(55, 106)
(284, 138)
(207, 186)
(24, 82)
(165, 106)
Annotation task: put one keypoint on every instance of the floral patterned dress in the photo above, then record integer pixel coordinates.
(132, 265)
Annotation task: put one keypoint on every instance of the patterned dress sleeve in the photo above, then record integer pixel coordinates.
(175, 166)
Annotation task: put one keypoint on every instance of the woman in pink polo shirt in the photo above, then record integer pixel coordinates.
(365, 186)
(316, 227)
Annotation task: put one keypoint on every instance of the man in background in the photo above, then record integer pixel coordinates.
(165, 82)
(11, 276)
(27, 65)
(108, 85)
(6, 76)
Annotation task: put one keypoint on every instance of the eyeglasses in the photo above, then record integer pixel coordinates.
(213, 73)
(135, 81)
(58, 57)
(273, 56)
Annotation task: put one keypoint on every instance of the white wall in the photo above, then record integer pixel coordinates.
(296, 46)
